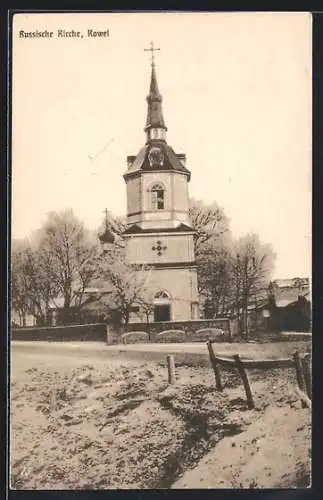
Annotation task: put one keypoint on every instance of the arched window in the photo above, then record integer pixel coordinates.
(157, 197)
(162, 306)
(161, 295)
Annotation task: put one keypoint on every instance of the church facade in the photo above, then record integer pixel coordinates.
(159, 233)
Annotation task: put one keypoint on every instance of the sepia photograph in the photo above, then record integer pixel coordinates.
(161, 215)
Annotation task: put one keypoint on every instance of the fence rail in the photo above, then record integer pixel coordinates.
(302, 366)
(261, 364)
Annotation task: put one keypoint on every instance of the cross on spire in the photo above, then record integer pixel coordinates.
(152, 50)
(106, 217)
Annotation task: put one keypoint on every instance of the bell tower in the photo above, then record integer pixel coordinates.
(159, 231)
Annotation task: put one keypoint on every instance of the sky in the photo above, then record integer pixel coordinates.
(236, 99)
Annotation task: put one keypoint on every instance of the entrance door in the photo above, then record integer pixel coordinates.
(162, 312)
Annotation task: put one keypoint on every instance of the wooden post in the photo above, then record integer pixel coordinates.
(148, 327)
(215, 366)
(52, 403)
(245, 381)
(307, 369)
(171, 369)
(305, 400)
(107, 331)
(230, 331)
(299, 371)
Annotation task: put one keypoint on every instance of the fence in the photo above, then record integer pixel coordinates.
(302, 366)
(90, 332)
(192, 330)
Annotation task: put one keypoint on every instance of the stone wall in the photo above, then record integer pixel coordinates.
(229, 327)
(91, 332)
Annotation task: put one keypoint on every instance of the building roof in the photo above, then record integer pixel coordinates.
(291, 282)
(107, 236)
(135, 228)
(98, 301)
(171, 160)
(289, 292)
(107, 233)
(292, 299)
(155, 113)
(90, 295)
(58, 303)
(155, 119)
(284, 302)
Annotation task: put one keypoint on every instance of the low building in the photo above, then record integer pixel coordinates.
(287, 307)
(93, 308)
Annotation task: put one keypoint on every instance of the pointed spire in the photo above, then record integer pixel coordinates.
(155, 119)
(153, 89)
(107, 235)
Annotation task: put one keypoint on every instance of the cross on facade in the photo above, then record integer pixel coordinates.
(152, 50)
(159, 248)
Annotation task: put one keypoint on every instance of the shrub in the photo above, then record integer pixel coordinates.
(171, 336)
(205, 334)
(134, 337)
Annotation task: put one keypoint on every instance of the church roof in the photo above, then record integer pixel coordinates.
(135, 229)
(167, 158)
(155, 113)
(171, 161)
(107, 236)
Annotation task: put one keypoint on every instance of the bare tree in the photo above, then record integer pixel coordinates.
(252, 264)
(208, 221)
(129, 282)
(32, 286)
(65, 245)
(147, 307)
(214, 279)
(212, 241)
(20, 292)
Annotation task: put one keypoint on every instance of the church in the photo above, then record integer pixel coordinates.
(159, 232)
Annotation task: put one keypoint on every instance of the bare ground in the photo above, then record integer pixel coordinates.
(100, 423)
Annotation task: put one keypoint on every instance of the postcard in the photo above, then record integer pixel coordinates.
(161, 250)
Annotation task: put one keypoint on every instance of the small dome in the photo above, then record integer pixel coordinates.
(107, 236)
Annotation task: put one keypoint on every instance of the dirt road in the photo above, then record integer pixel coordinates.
(91, 417)
(159, 351)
